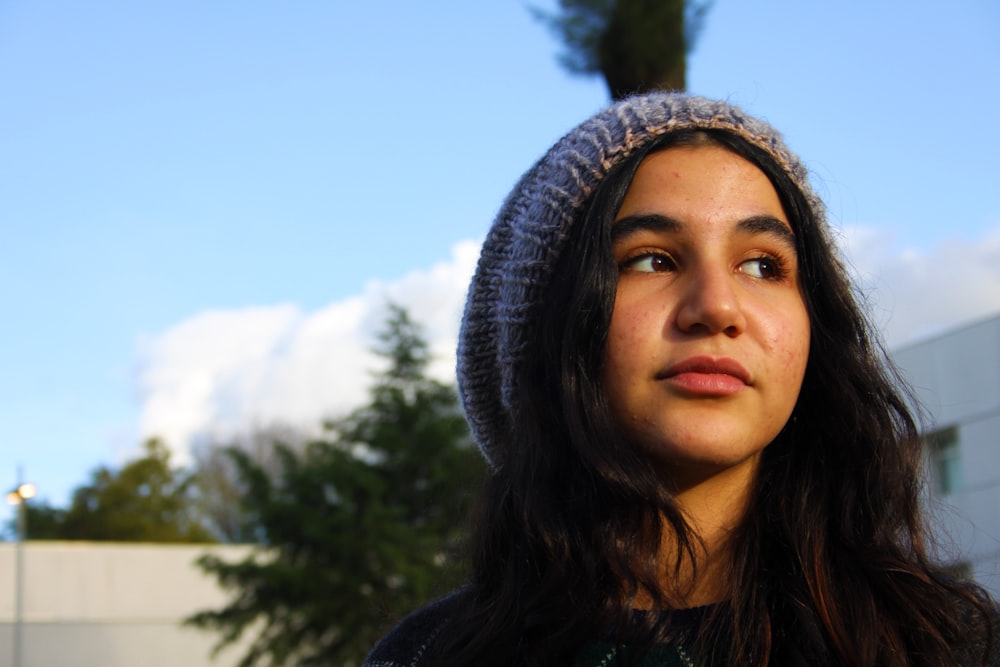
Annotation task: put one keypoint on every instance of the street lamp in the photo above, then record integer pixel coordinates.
(19, 497)
(21, 493)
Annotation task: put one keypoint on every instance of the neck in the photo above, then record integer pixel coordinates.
(714, 505)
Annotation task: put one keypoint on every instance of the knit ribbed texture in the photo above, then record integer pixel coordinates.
(529, 233)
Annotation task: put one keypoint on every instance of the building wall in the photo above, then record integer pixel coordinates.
(113, 605)
(956, 377)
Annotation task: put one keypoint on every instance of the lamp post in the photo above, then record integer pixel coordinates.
(19, 497)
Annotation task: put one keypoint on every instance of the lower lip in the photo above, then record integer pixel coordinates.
(707, 384)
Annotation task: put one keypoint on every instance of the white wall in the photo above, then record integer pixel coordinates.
(89, 604)
(956, 377)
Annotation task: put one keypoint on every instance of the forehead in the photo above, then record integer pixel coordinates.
(697, 182)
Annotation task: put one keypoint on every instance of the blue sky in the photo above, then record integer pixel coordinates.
(203, 205)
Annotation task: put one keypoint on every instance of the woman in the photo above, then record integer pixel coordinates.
(699, 454)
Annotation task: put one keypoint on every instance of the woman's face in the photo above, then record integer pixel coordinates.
(709, 335)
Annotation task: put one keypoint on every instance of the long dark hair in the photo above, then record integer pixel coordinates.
(829, 562)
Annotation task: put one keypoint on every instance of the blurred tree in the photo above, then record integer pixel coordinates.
(145, 501)
(637, 45)
(357, 528)
(42, 521)
(218, 487)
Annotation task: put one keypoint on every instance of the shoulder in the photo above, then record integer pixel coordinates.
(407, 643)
(981, 636)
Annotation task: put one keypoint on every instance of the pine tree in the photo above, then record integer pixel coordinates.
(636, 45)
(359, 527)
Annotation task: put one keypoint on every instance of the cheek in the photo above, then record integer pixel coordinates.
(790, 345)
(616, 360)
(638, 313)
(635, 329)
(627, 345)
(789, 351)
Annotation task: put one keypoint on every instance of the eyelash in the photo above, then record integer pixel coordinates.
(778, 267)
(631, 262)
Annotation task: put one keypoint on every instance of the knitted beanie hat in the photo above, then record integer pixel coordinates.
(528, 235)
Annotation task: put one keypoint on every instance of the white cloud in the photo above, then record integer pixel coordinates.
(221, 372)
(914, 292)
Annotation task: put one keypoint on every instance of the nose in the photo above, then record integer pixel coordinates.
(710, 303)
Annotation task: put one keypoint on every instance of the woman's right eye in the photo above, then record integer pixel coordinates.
(649, 263)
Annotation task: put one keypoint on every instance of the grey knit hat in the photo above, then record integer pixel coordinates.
(529, 232)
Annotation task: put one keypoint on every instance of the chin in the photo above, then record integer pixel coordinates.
(697, 462)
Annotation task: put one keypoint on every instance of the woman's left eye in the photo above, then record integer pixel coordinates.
(766, 268)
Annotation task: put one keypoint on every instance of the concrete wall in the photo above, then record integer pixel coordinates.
(115, 605)
(957, 379)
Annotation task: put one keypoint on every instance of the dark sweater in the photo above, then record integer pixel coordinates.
(409, 644)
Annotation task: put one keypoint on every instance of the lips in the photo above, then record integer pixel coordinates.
(707, 376)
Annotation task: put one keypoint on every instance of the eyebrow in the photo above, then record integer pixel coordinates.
(652, 222)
